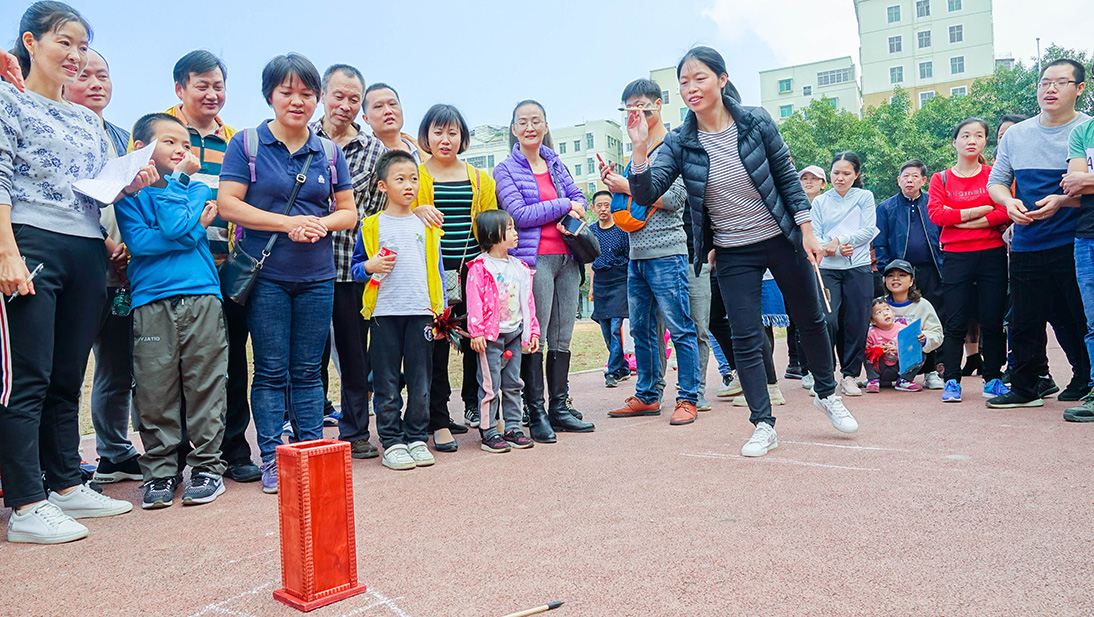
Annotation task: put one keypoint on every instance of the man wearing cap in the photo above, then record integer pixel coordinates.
(906, 233)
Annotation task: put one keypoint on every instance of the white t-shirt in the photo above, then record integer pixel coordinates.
(507, 276)
(405, 290)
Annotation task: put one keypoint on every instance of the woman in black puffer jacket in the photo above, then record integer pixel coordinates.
(749, 214)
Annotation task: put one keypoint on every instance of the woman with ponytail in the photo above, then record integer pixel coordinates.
(749, 214)
(845, 221)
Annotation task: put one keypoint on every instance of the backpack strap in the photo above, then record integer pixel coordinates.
(332, 159)
(250, 148)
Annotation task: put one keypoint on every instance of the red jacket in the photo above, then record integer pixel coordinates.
(948, 195)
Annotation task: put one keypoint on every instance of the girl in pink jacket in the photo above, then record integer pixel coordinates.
(501, 319)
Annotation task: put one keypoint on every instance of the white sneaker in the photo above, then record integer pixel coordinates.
(849, 387)
(44, 524)
(807, 382)
(420, 454)
(733, 388)
(86, 503)
(398, 457)
(740, 401)
(837, 413)
(763, 441)
(775, 394)
(933, 381)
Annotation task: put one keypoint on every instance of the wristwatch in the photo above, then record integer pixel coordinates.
(182, 178)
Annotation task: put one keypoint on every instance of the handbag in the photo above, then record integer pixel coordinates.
(583, 245)
(239, 272)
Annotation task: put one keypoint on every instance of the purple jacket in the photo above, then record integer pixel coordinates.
(518, 194)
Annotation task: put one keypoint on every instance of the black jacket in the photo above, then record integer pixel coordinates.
(764, 155)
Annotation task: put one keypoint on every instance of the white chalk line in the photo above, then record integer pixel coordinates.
(379, 600)
(834, 445)
(251, 556)
(715, 455)
(217, 606)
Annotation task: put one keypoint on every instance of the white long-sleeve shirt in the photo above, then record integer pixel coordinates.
(850, 218)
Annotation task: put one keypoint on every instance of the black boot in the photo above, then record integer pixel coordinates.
(531, 372)
(558, 372)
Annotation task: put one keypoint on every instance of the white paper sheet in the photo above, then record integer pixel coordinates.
(116, 175)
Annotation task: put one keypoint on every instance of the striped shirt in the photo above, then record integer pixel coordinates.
(458, 243)
(405, 290)
(210, 151)
(737, 212)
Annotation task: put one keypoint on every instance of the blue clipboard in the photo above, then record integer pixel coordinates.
(909, 349)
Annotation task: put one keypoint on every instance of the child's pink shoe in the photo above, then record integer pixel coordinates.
(873, 386)
(632, 365)
(907, 386)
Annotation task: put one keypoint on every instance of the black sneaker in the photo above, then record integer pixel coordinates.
(495, 444)
(610, 381)
(794, 372)
(244, 472)
(1046, 387)
(158, 493)
(518, 439)
(570, 408)
(1013, 399)
(524, 420)
(1005, 377)
(205, 486)
(1075, 391)
(471, 416)
(456, 429)
(109, 472)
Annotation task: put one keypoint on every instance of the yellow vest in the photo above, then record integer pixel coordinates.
(370, 237)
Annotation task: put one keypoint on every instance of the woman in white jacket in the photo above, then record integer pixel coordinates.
(844, 223)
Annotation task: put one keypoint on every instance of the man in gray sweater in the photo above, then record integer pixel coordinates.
(658, 284)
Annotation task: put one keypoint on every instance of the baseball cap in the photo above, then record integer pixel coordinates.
(900, 264)
(816, 171)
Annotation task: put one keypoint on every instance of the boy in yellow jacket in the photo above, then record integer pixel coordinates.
(399, 259)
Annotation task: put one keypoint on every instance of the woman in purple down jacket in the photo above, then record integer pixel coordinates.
(535, 187)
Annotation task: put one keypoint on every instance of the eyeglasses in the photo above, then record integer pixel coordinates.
(1060, 84)
(524, 122)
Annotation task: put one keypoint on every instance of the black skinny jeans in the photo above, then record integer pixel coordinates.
(849, 320)
(975, 284)
(723, 333)
(50, 336)
(740, 276)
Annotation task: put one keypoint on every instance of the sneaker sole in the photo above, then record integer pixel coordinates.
(899, 389)
(725, 394)
(768, 449)
(243, 479)
(846, 393)
(951, 400)
(102, 513)
(120, 476)
(1070, 417)
(32, 538)
(513, 444)
(1033, 403)
(989, 395)
(194, 501)
(491, 450)
(426, 463)
(269, 491)
(400, 467)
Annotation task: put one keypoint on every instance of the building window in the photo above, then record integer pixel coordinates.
(592, 187)
(896, 44)
(577, 170)
(896, 74)
(893, 13)
(959, 91)
(924, 39)
(957, 34)
(491, 163)
(831, 78)
(834, 102)
(577, 145)
(589, 143)
(591, 165)
(925, 96)
(955, 5)
(923, 8)
(807, 90)
(667, 127)
(926, 70)
(785, 85)
(630, 147)
(477, 161)
(664, 97)
(562, 148)
(683, 113)
(785, 111)
(957, 65)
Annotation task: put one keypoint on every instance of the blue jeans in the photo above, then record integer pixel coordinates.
(1084, 273)
(723, 364)
(289, 322)
(654, 284)
(612, 329)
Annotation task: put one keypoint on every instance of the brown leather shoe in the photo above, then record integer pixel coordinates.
(684, 413)
(634, 407)
(363, 449)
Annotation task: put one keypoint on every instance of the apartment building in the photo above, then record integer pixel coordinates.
(788, 89)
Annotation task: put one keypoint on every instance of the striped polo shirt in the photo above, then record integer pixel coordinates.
(210, 151)
(458, 243)
(737, 212)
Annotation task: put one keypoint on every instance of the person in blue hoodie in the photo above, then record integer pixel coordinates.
(180, 349)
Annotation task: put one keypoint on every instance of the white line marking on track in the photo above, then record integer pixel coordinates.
(251, 556)
(715, 455)
(833, 445)
(217, 606)
(381, 600)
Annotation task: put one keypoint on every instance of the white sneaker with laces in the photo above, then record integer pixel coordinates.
(86, 503)
(932, 381)
(807, 382)
(44, 524)
(775, 394)
(837, 413)
(763, 440)
(398, 457)
(733, 388)
(421, 455)
(849, 387)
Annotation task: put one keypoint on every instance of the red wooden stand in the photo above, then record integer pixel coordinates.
(318, 546)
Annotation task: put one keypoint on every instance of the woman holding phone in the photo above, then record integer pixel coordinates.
(748, 213)
(535, 187)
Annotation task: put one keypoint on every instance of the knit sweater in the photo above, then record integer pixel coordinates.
(663, 234)
(45, 146)
(923, 310)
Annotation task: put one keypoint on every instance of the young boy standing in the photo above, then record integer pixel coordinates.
(180, 347)
(399, 259)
